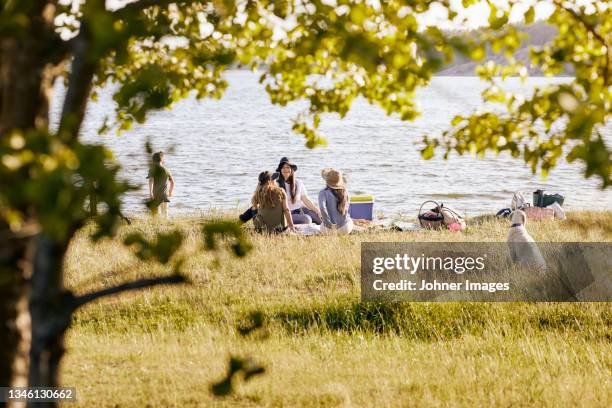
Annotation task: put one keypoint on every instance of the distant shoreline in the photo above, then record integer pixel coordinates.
(509, 76)
(444, 74)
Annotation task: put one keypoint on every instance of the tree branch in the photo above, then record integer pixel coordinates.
(27, 230)
(591, 29)
(80, 82)
(57, 48)
(142, 283)
(138, 6)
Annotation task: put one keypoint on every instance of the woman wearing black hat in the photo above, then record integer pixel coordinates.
(303, 211)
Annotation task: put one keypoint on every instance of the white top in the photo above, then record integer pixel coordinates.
(299, 193)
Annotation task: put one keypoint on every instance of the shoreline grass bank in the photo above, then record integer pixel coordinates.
(321, 347)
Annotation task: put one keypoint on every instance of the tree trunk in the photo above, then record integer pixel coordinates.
(93, 200)
(51, 310)
(15, 270)
(26, 77)
(24, 72)
(51, 306)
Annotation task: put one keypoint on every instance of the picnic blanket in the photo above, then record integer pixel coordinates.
(362, 226)
(307, 229)
(396, 225)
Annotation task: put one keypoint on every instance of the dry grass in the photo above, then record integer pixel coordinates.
(164, 346)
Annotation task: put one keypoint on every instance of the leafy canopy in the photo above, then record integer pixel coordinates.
(556, 120)
(330, 52)
(327, 53)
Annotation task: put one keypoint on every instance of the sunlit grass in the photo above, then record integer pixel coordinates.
(321, 346)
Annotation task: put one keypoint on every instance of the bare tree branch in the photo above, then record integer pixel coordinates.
(142, 283)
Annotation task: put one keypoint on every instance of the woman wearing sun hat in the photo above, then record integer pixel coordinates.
(334, 203)
(303, 211)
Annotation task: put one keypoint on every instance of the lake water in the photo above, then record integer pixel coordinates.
(221, 146)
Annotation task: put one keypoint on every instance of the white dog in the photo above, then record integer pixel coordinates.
(523, 248)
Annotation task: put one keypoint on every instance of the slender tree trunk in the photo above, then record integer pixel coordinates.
(51, 311)
(93, 201)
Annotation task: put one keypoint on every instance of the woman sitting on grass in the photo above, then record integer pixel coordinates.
(334, 203)
(303, 211)
(270, 201)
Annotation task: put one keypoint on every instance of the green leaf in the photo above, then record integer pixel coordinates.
(530, 15)
(427, 153)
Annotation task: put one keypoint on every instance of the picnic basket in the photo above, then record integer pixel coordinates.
(431, 219)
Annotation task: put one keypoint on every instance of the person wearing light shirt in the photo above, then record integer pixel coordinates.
(334, 203)
(303, 211)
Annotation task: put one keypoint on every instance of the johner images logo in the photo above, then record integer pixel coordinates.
(460, 271)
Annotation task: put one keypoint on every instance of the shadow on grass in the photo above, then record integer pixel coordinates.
(138, 315)
(416, 321)
(445, 321)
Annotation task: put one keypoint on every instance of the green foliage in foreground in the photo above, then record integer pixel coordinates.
(556, 121)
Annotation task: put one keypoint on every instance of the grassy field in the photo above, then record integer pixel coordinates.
(321, 347)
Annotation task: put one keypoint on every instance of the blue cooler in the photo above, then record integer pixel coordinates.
(361, 207)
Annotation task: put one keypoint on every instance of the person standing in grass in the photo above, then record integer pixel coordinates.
(334, 203)
(161, 185)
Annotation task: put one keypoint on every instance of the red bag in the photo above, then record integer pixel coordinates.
(539, 214)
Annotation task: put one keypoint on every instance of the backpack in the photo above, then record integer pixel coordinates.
(540, 199)
(518, 201)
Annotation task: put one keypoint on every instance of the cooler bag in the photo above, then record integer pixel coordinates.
(361, 207)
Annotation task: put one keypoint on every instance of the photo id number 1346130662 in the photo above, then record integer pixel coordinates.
(37, 394)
